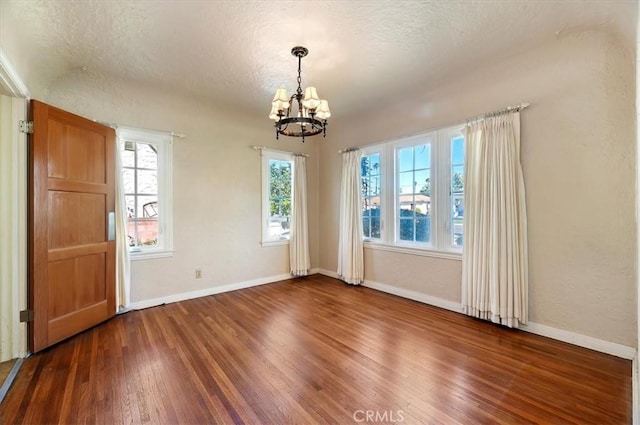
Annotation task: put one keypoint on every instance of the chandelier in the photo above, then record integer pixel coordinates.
(309, 117)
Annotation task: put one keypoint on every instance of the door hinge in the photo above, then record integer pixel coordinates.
(26, 127)
(26, 316)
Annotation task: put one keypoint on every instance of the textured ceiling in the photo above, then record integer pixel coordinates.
(237, 53)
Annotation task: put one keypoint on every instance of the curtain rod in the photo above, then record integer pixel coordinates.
(264, 148)
(505, 110)
(115, 127)
(516, 108)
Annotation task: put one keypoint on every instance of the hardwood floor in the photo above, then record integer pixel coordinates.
(314, 350)
(5, 369)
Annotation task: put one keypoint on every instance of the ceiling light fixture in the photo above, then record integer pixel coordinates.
(310, 116)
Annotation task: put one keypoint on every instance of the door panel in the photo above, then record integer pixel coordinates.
(75, 153)
(76, 218)
(72, 263)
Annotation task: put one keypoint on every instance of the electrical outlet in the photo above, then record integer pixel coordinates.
(198, 273)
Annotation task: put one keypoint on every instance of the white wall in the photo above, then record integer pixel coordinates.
(216, 183)
(578, 155)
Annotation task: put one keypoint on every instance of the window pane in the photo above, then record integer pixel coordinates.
(406, 229)
(405, 159)
(458, 221)
(423, 182)
(421, 204)
(406, 204)
(128, 180)
(279, 198)
(130, 201)
(423, 156)
(147, 232)
(128, 156)
(423, 227)
(146, 207)
(457, 191)
(370, 173)
(131, 233)
(374, 164)
(365, 227)
(369, 185)
(278, 226)
(147, 156)
(147, 182)
(406, 182)
(375, 224)
(457, 178)
(457, 150)
(374, 185)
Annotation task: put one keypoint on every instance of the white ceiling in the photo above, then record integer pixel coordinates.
(237, 53)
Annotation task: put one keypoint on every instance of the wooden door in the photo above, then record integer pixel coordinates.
(71, 256)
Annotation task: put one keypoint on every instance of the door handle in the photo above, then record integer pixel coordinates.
(111, 226)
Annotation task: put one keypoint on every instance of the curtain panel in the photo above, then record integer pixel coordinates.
(123, 260)
(494, 260)
(299, 239)
(350, 244)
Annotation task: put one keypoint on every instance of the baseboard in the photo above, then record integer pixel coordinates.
(138, 305)
(580, 340)
(584, 341)
(415, 296)
(404, 293)
(327, 273)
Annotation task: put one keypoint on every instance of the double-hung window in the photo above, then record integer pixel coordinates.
(147, 181)
(277, 193)
(413, 192)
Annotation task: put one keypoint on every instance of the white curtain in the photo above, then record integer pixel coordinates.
(13, 228)
(350, 246)
(299, 241)
(123, 261)
(494, 260)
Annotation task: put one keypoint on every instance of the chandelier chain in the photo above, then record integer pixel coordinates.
(299, 91)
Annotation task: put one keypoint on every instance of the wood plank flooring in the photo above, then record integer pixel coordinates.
(314, 351)
(5, 369)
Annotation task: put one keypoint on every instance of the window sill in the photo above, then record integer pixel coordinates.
(275, 243)
(150, 255)
(457, 256)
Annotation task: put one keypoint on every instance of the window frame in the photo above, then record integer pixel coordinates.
(439, 244)
(164, 145)
(268, 155)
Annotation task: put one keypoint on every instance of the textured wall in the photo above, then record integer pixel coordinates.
(216, 183)
(578, 155)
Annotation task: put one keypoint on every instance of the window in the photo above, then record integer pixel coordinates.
(417, 185)
(146, 175)
(370, 169)
(413, 197)
(457, 190)
(277, 190)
